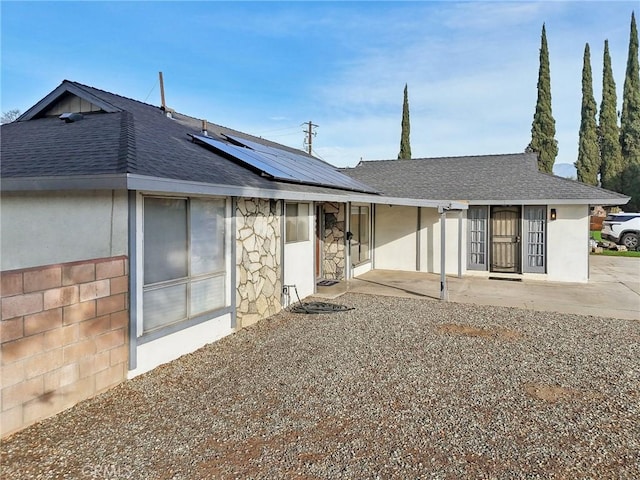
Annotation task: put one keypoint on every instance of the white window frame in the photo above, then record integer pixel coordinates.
(224, 273)
(297, 221)
(478, 234)
(357, 242)
(534, 233)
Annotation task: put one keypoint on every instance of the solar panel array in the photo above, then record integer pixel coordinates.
(283, 165)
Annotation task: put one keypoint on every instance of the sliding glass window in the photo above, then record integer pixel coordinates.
(184, 259)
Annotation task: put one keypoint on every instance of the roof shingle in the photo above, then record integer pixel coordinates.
(133, 138)
(510, 178)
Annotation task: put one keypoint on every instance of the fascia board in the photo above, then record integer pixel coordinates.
(83, 182)
(553, 201)
(163, 185)
(416, 202)
(172, 186)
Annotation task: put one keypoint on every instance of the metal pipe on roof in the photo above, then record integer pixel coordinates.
(164, 105)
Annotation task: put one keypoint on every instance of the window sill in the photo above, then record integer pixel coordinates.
(181, 325)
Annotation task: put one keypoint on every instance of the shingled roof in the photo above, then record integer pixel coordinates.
(126, 139)
(487, 179)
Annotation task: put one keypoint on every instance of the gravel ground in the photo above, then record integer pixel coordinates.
(397, 388)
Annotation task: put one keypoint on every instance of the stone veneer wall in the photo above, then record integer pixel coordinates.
(64, 337)
(333, 255)
(258, 259)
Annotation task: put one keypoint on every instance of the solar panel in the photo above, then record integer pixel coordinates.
(246, 156)
(306, 169)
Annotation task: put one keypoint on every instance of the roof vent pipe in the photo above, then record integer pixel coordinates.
(204, 128)
(168, 111)
(164, 105)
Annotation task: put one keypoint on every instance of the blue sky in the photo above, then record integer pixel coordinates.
(267, 67)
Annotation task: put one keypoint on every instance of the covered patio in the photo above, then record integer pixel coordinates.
(613, 289)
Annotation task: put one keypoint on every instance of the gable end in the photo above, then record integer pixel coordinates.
(68, 97)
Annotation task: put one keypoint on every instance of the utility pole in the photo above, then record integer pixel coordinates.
(308, 140)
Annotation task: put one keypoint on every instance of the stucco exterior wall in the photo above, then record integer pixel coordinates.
(430, 231)
(299, 263)
(568, 244)
(165, 349)
(395, 237)
(57, 227)
(258, 259)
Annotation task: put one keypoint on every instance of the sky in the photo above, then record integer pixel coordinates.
(266, 68)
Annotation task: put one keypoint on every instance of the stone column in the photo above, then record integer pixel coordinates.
(258, 259)
(334, 253)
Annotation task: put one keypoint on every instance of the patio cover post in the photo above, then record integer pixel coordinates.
(459, 243)
(444, 294)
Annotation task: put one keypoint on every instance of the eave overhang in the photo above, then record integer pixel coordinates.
(553, 201)
(155, 185)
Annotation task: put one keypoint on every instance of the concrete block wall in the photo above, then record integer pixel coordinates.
(64, 337)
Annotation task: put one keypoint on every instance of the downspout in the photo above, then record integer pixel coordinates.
(133, 281)
(316, 234)
(233, 244)
(282, 242)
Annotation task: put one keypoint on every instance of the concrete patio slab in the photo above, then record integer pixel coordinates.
(612, 291)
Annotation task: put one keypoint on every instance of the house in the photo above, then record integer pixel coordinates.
(133, 234)
(520, 223)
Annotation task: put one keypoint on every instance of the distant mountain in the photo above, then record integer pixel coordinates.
(566, 170)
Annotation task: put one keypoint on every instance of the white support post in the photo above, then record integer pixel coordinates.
(460, 244)
(444, 294)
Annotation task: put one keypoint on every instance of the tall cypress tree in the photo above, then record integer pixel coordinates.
(588, 163)
(609, 134)
(405, 146)
(543, 128)
(630, 122)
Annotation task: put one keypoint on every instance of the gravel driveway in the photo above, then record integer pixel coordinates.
(397, 388)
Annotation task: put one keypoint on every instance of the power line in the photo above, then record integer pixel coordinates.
(278, 130)
(317, 155)
(151, 91)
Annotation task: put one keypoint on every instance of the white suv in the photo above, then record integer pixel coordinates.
(622, 228)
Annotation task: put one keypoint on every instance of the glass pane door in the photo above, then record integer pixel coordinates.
(477, 238)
